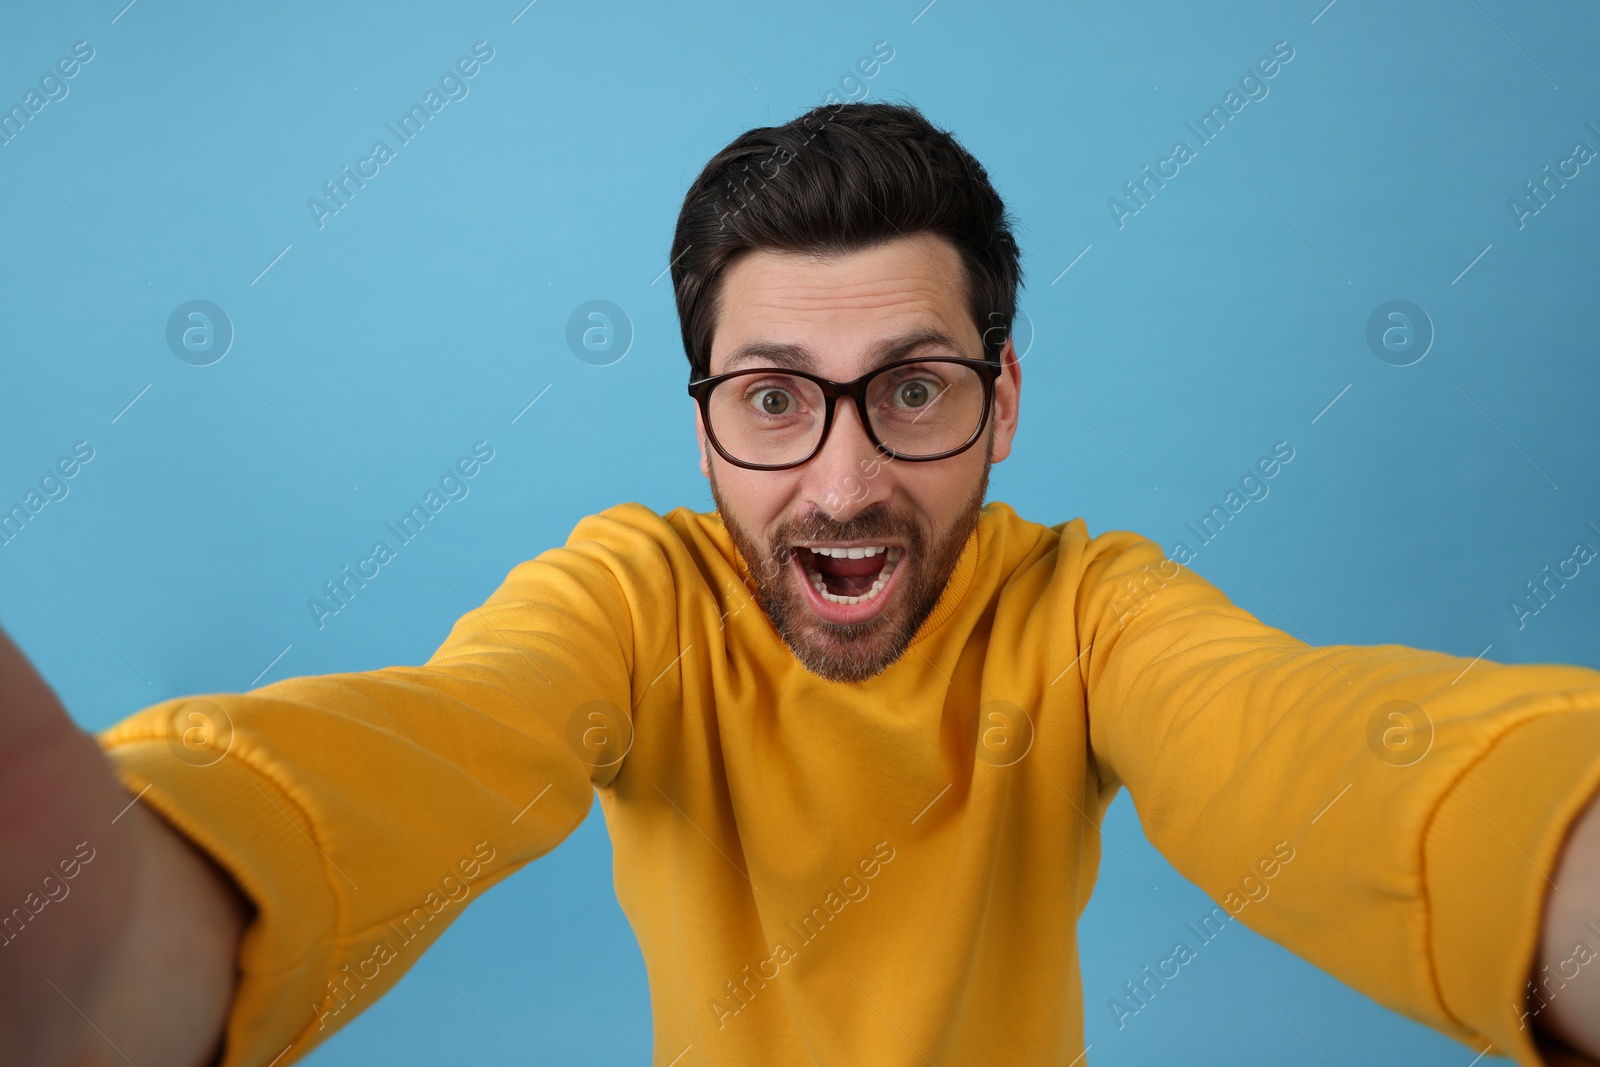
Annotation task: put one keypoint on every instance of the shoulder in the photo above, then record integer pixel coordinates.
(1020, 540)
(644, 548)
(1069, 550)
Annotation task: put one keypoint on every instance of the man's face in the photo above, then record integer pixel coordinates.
(844, 314)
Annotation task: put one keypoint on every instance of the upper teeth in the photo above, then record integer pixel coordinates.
(860, 552)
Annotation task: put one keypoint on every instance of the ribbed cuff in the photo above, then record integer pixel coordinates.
(260, 836)
(1489, 858)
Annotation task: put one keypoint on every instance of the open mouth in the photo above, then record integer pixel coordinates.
(848, 583)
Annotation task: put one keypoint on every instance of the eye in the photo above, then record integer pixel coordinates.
(915, 392)
(772, 400)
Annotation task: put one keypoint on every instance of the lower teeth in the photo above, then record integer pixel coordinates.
(821, 586)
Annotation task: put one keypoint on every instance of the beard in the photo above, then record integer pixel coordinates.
(857, 651)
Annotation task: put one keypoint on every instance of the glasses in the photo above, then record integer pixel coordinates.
(770, 419)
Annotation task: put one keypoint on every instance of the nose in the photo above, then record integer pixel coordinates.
(849, 474)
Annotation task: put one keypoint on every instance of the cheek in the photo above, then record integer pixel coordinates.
(937, 493)
(763, 504)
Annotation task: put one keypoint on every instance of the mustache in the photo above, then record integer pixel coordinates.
(876, 522)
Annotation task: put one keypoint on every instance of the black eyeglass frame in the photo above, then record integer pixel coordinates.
(988, 372)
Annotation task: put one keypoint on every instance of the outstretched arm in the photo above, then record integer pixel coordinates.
(358, 813)
(1564, 999)
(1428, 796)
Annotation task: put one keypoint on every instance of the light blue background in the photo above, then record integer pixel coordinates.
(427, 314)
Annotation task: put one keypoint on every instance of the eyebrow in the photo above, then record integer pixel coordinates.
(798, 357)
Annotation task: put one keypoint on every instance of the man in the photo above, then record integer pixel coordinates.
(853, 733)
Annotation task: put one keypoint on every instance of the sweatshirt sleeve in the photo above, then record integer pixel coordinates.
(362, 812)
(1423, 798)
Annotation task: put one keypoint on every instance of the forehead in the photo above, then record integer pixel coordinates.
(833, 313)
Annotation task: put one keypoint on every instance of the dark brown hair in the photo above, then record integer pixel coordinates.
(838, 179)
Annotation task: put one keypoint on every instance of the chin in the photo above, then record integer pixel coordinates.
(839, 658)
(849, 652)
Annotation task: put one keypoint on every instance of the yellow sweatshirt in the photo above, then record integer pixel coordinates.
(888, 872)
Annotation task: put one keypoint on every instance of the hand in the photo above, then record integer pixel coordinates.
(107, 915)
(1567, 972)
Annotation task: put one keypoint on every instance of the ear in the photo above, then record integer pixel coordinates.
(1007, 402)
(705, 446)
